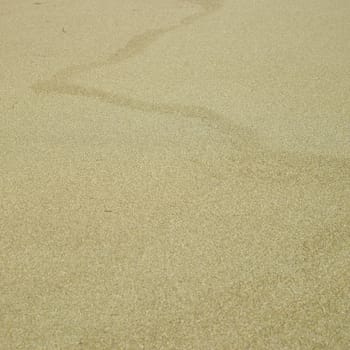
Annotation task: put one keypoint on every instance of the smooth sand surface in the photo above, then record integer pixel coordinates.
(174, 174)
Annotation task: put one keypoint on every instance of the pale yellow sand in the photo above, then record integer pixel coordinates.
(174, 174)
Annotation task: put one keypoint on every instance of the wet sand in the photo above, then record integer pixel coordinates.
(174, 174)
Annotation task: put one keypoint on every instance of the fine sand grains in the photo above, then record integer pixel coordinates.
(174, 175)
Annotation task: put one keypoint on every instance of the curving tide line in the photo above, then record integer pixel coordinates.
(258, 159)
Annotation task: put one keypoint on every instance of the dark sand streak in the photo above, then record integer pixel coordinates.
(243, 139)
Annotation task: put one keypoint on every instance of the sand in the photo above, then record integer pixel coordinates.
(174, 174)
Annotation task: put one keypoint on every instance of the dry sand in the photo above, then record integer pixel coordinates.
(174, 174)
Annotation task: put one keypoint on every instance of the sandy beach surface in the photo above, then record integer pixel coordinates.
(174, 174)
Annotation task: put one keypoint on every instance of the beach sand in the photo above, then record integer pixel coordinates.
(174, 174)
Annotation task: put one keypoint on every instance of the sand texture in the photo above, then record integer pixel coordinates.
(174, 174)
